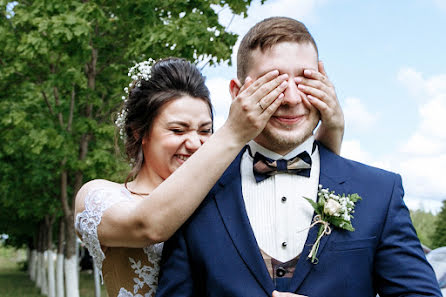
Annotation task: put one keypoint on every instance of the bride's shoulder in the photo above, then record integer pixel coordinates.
(98, 187)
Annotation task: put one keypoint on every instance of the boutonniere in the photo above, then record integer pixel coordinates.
(331, 209)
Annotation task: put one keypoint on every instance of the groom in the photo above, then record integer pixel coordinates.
(252, 233)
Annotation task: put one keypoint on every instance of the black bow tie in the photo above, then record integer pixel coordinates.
(264, 167)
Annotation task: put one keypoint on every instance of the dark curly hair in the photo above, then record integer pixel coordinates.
(170, 79)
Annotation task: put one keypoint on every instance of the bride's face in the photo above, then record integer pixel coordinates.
(178, 131)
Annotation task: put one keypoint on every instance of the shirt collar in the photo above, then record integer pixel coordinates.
(307, 146)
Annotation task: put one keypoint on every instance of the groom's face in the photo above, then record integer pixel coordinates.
(295, 120)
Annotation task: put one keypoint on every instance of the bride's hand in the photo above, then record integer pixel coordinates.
(321, 94)
(254, 103)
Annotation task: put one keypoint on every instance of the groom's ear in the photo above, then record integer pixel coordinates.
(234, 87)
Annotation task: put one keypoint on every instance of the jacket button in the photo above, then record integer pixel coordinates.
(283, 199)
(284, 244)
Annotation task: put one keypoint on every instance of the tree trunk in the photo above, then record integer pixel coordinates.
(71, 262)
(33, 265)
(39, 258)
(71, 276)
(51, 274)
(60, 288)
(50, 256)
(43, 268)
(70, 265)
(60, 259)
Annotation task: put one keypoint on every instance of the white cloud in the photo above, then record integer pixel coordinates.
(422, 158)
(424, 176)
(351, 149)
(411, 79)
(302, 10)
(441, 4)
(357, 116)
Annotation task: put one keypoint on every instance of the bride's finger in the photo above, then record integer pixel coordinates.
(248, 82)
(266, 100)
(264, 85)
(271, 109)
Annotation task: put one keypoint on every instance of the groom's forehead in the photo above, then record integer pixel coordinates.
(287, 57)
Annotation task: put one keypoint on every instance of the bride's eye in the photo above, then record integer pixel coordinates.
(206, 131)
(177, 131)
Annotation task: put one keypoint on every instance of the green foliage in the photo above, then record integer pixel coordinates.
(63, 69)
(439, 235)
(424, 223)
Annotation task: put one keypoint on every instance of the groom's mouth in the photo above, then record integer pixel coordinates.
(288, 120)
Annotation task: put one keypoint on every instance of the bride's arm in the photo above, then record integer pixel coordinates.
(154, 219)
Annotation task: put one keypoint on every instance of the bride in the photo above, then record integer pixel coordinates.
(176, 159)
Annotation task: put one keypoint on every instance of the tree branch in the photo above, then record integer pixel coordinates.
(70, 118)
(83, 150)
(56, 98)
(63, 190)
(47, 103)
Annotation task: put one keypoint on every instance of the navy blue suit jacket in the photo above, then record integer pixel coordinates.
(215, 252)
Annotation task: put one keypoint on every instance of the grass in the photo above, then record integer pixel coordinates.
(16, 283)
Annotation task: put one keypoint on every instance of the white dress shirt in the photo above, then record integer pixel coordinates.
(279, 216)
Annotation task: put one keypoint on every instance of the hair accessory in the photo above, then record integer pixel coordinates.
(140, 71)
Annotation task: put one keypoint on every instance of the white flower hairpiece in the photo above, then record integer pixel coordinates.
(140, 71)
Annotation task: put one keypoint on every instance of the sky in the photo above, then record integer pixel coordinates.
(387, 61)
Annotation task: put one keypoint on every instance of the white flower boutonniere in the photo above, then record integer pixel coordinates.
(331, 209)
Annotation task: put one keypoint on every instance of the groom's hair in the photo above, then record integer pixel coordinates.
(266, 34)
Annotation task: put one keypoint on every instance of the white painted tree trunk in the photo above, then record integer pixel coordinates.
(59, 276)
(28, 258)
(32, 265)
(43, 271)
(39, 270)
(71, 277)
(51, 274)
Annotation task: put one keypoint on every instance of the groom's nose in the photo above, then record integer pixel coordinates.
(293, 95)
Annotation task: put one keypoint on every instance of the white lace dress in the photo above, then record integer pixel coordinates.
(127, 272)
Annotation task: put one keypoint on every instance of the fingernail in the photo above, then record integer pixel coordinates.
(276, 72)
(300, 86)
(298, 79)
(281, 96)
(310, 97)
(248, 78)
(284, 76)
(307, 72)
(284, 84)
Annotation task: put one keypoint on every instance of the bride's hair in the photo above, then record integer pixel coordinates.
(169, 79)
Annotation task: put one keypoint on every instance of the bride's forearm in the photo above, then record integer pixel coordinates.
(174, 200)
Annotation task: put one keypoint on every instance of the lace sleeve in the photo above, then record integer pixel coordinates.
(96, 202)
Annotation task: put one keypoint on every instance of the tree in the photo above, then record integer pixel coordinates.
(423, 222)
(63, 69)
(439, 236)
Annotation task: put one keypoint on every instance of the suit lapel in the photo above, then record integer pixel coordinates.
(232, 209)
(332, 177)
